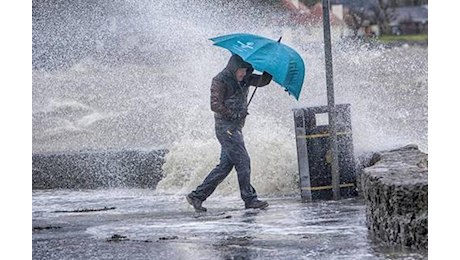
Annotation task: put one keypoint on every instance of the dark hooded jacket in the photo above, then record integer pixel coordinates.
(228, 97)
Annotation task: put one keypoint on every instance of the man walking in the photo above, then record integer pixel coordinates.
(229, 92)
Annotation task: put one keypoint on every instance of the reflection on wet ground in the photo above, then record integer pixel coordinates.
(144, 225)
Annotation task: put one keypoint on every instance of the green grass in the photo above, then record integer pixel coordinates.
(416, 37)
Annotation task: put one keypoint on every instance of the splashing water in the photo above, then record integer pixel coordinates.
(136, 75)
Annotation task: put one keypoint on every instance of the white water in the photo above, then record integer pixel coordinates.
(142, 75)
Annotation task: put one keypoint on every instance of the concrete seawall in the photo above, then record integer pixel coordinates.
(97, 169)
(395, 190)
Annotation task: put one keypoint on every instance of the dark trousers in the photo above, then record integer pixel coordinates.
(233, 154)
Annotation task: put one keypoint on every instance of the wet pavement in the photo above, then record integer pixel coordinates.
(141, 224)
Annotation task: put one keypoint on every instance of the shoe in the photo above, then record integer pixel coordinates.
(256, 204)
(196, 203)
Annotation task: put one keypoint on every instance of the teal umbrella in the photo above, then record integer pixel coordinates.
(281, 61)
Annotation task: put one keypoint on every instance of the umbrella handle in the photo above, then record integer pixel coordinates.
(252, 96)
(257, 86)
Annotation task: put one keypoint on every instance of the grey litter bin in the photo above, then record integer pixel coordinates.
(313, 152)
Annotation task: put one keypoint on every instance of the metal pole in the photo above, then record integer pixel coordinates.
(302, 156)
(330, 102)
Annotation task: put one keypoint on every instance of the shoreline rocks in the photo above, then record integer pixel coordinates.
(395, 190)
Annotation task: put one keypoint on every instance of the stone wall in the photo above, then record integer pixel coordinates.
(395, 189)
(97, 169)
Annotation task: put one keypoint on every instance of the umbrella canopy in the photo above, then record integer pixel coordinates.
(281, 61)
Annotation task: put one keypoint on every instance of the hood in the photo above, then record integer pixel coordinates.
(234, 64)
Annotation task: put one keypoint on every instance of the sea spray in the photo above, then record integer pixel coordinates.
(138, 75)
(271, 147)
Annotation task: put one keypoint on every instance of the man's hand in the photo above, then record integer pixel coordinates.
(266, 77)
(261, 80)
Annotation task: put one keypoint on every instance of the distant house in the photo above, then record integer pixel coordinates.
(410, 20)
(366, 4)
(301, 14)
(363, 17)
